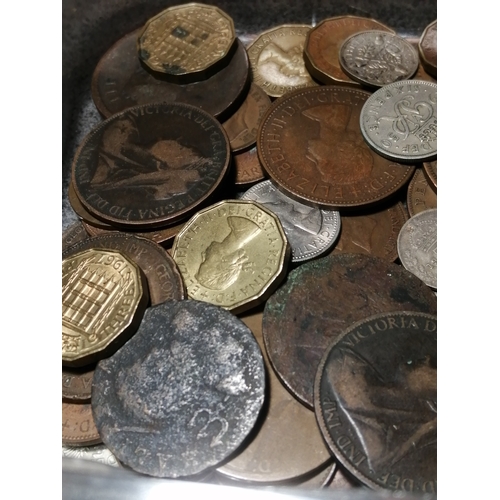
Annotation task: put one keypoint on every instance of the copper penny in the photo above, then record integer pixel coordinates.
(73, 234)
(323, 297)
(150, 166)
(164, 278)
(78, 427)
(427, 48)
(431, 172)
(342, 480)
(311, 145)
(77, 383)
(242, 127)
(83, 213)
(321, 51)
(421, 196)
(372, 232)
(120, 82)
(248, 167)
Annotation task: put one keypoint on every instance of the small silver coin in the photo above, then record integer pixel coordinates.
(417, 246)
(97, 453)
(309, 230)
(377, 58)
(399, 121)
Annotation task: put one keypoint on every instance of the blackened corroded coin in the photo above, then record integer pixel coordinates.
(183, 393)
(375, 397)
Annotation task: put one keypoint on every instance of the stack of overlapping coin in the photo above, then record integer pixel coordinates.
(193, 118)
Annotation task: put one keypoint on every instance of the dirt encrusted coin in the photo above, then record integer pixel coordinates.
(376, 401)
(183, 393)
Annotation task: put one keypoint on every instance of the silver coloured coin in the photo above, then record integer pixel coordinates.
(378, 58)
(309, 230)
(399, 121)
(98, 453)
(417, 246)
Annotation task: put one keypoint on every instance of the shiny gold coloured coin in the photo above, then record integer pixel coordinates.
(233, 254)
(104, 295)
(187, 42)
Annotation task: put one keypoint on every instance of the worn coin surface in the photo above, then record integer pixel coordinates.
(104, 294)
(427, 48)
(75, 233)
(97, 453)
(309, 230)
(323, 42)
(183, 393)
(377, 58)
(431, 171)
(277, 62)
(310, 144)
(417, 246)
(151, 165)
(77, 383)
(83, 213)
(163, 277)
(187, 42)
(323, 297)
(421, 196)
(232, 254)
(78, 427)
(120, 82)
(399, 121)
(248, 167)
(376, 400)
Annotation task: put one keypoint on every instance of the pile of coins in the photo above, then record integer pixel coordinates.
(250, 294)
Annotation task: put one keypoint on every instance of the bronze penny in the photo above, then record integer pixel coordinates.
(421, 196)
(321, 51)
(248, 167)
(372, 232)
(83, 213)
(323, 297)
(310, 144)
(427, 48)
(77, 384)
(150, 166)
(342, 480)
(431, 172)
(376, 400)
(164, 278)
(120, 82)
(75, 233)
(78, 427)
(242, 127)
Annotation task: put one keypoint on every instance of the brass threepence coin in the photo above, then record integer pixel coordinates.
(309, 230)
(120, 82)
(431, 171)
(183, 393)
(427, 48)
(150, 166)
(78, 427)
(97, 453)
(376, 400)
(104, 295)
(242, 127)
(421, 195)
(377, 58)
(372, 232)
(187, 42)
(399, 121)
(310, 145)
(417, 246)
(321, 50)
(75, 233)
(77, 383)
(277, 62)
(248, 167)
(232, 254)
(163, 277)
(288, 444)
(323, 297)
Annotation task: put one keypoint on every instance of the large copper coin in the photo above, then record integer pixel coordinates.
(431, 171)
(163, 276)
(421, 196)
(150, 165)
(83, 213)
(311, 145)
(323, 297)
(78, 427)
(77, 384)
(376, 400)
(248, 167)
(120, 82)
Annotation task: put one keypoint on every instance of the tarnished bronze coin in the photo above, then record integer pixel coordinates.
(321, 50)
(83, 213)
(78, 427)
(427, 48)
(431, 171)
(183, 393)
(187, 42)
(342, 480)
(323, 297)
(376, 400)
(248, 167)
(421, 196)
(73, 234)
(120, 82)
(77, 383)
(372, 232)
(243, 125)
(277, 62)
(162, 274)
(310, 144)
(150, 165)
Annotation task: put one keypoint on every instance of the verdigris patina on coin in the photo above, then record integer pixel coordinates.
(183, 393)
(376, 400)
